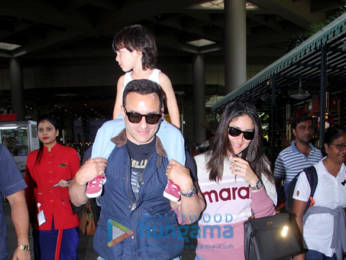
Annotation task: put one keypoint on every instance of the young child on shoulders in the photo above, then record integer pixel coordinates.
(136, 54)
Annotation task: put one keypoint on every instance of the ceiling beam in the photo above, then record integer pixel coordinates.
(275, 26)
(5, 54)
(105, 4)
(52, 39)
(45, 14)
(324, 6)
(143, 9)
(297, 12)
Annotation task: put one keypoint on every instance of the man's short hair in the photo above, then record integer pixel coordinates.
(144, 87)
(300, 119)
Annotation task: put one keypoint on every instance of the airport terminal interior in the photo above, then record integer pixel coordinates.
(56, 57)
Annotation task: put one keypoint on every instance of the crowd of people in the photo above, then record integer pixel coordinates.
(138, 158)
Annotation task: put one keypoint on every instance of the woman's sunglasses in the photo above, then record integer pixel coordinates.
(236, 132)
(151, 118)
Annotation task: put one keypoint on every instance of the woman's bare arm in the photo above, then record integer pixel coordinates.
(299, 209)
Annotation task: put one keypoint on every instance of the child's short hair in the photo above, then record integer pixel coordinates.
(136, 37)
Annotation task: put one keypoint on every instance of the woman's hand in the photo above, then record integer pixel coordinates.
(242, 168)
(90, 169)
(180, 175)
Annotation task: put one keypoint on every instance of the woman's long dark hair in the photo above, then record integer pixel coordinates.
(221, 146)
(54, 122)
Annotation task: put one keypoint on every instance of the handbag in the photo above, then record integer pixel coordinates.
(272, 237)
(87, 224)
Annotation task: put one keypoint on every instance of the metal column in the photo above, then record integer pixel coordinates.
(16, 88)
(235, 43)
(273, 120)
(198, 99)
(323, 88)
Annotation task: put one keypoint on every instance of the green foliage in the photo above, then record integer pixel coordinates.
(314, 28)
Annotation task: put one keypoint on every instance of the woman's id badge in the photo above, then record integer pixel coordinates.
(40, 215)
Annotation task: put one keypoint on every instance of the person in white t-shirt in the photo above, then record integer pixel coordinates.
(323, 224)
(236, 181)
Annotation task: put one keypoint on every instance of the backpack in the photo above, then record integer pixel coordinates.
(311, 175)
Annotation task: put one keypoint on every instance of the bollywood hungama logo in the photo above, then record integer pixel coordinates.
(161, 227)
(116, 232)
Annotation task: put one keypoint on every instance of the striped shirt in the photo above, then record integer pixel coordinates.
(290, 162)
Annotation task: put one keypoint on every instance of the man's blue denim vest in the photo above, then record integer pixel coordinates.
(155, 226)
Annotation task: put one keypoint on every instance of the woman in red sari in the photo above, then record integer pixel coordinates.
(48, 171)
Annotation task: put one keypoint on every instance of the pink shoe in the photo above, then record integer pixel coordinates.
(172, 191)
(94, 187)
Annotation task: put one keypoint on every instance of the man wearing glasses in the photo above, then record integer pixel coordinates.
(137, 172)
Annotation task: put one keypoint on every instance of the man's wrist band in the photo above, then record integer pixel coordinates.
(190, 193)
(24, 247)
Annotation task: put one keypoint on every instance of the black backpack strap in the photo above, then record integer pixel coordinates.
(311, 175)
